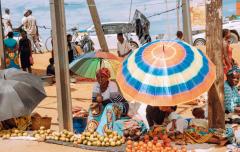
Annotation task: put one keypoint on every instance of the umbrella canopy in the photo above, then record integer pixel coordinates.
(88, 64)
(20, 93)
(165, 73)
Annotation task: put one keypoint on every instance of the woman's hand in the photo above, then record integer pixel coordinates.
(174, 125)
(99, 98)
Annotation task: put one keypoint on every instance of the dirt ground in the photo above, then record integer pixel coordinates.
(81, 96)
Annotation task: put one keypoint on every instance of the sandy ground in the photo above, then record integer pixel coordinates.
(81, 95)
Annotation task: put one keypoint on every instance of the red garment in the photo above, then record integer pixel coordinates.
(103, 72)
(226, 67)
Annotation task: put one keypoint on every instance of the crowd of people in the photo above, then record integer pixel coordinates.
(109, 109)
(22, 49)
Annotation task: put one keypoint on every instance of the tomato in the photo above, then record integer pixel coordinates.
(155, 138)
(164, 137)
(155, 142)
(146, 137)
(129, 142)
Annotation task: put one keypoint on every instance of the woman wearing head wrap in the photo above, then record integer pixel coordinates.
(231, 95)
(108, 104)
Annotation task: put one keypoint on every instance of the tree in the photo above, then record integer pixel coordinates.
(216, 112)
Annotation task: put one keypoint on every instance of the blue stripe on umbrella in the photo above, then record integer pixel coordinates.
(186, 62)
(165, 91)
(87, 55)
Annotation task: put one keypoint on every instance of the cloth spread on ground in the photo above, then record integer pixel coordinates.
(124, 124)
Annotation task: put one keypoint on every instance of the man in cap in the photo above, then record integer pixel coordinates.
(231, 95)
(7, 24)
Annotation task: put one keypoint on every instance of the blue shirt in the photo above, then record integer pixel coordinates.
(231, 97)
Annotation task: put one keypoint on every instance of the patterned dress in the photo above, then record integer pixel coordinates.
(113, 108)
(231, 97)
(10, 47)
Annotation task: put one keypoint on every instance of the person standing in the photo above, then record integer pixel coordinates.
(25, 51)
(227, 51)
(7, 24)
(10, 48)
(29, 24)
(123, 47)
(71, 48)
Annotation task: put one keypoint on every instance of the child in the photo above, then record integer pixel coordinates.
(198, 126)
(175, 122)
(199, 118)
(51, 68)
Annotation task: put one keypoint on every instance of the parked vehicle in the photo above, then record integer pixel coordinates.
(233, 26)
(110, 30)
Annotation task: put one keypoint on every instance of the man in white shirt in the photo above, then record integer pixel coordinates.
(124, 47)
(6, 19)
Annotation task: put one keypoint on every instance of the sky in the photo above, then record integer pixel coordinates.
(78, 15)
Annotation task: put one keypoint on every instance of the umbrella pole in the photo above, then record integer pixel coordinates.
(101, 63)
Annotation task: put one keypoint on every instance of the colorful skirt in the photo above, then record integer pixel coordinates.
(12, 60)
(104, 119)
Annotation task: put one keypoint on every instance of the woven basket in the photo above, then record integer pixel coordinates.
(38, 122)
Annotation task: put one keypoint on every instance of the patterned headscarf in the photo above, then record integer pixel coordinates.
(235, 69)
(103, 72)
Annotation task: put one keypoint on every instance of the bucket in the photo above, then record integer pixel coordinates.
(79, 124)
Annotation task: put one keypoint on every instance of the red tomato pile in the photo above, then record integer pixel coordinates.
(153, 146)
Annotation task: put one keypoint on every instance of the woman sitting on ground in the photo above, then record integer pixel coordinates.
(108, 104)
(231, 95)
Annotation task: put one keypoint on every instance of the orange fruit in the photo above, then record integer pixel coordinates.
(129, 142)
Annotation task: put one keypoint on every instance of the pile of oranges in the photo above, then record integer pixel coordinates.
(154, 145)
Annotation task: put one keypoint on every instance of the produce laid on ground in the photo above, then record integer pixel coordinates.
(6, 134)
(152, 146)
(158, 131)
(132, 134)
(63, 136)
(109, 139)
(156, 140)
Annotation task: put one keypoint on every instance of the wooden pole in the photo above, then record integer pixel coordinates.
(216, 112)
(2, 53)
(61, 64)
(187, 27)
(178, 19)
(97, 25)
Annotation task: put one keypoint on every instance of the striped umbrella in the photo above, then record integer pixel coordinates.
(88, 64)
(165, 73)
